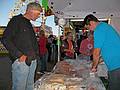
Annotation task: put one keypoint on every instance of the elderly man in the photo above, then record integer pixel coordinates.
(20, 40)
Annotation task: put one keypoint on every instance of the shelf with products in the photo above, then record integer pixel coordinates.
(3, 50)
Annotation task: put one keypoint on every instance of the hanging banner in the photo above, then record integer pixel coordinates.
(45, 4)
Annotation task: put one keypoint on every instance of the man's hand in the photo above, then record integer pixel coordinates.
(94, 69)
(22, 58)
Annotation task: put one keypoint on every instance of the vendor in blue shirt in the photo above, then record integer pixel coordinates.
(106, 43)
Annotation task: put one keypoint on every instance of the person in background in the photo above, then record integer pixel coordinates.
(86, 47)
(54, 50)
(106, 43)
(68, 47)
(42, 62)
(61, 43)
(20, 40)
(82, 37)
(49, 47)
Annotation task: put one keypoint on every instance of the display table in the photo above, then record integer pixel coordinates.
(70, 75)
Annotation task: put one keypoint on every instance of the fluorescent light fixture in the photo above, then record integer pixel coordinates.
(71, 27)
(76, 20)
(100, 19)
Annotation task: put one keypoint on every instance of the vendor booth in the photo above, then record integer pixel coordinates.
(67, 76)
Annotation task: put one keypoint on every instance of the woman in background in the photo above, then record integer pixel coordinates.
(68, 47)
(86, 47)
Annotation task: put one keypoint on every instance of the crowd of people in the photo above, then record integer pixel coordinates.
(29, 54)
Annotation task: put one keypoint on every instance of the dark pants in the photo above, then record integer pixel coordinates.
(114, 79)
(5, 73)
(42, 63)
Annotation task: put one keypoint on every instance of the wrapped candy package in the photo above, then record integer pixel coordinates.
(69, 75)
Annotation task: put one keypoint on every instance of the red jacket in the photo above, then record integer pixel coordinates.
(42, 45)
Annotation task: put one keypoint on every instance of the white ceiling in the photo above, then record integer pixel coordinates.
(80, 8)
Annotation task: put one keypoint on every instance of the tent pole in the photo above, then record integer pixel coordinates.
(59, 44)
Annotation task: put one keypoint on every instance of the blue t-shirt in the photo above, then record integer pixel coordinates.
(108, 40)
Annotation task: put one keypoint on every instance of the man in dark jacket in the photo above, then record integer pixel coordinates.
(20, 40)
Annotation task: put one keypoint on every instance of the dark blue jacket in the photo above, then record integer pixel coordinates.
(19, 38)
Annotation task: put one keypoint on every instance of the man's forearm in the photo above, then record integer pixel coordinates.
(95, 63)
(96, 55)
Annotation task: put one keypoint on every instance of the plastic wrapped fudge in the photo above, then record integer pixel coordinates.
(70, 75)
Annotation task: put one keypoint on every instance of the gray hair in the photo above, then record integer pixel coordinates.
(34, 5)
